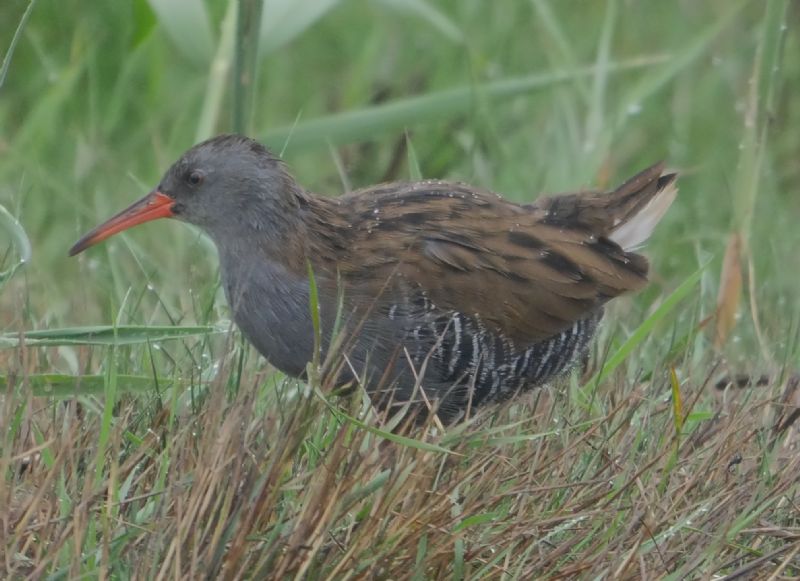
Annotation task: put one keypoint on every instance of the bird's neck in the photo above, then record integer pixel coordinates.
(265, 229)
(287, 235)
(265, 277)
(270, 304)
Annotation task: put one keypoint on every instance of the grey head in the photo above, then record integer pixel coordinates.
(228, 183)
(230, 186)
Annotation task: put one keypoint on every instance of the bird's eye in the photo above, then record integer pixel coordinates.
(195, 177)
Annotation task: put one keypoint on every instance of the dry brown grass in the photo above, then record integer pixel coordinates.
(543, 487)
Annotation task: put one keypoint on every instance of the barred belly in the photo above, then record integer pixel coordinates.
(461, 351)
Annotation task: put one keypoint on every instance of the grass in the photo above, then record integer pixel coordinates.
(142, 438)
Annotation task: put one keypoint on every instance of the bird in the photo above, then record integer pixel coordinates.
(433, 295)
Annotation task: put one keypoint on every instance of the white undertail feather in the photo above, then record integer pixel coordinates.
(635, 231)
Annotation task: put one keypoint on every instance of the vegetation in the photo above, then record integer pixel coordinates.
(142, 438)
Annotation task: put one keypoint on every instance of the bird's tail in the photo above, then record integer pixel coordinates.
(627, 215)
(639, 204)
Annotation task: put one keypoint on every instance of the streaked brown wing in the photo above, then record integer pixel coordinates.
(527, 271)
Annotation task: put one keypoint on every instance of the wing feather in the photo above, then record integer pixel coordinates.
(529, 272)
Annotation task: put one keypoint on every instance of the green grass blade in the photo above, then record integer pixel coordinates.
(677, 403)
(758, 116)
(419, 561)
(476, 520)
(350, 126)
(391, 436)
(596, 120)
(680, 293)
(414, 171)
(63, 386)
(398, 439)
(244, 78)
(217, 76)
(49, 109)
(363, 492)
(19, 240)
(14, 40)
(109, 401)
(313, 305)
(558, 44)
(104, 335)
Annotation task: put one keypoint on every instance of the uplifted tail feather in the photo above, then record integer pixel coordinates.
(626, 215)
(647, 200)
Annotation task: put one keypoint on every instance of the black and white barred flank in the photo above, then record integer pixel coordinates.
(481, 365)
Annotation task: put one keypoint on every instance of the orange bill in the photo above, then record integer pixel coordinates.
(153, 206)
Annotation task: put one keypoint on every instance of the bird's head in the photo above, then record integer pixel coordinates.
(225, 185)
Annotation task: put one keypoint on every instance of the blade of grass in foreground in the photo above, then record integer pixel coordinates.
(14, 40)
(398, 439)
(20, 241)
(62, 386)
(685, 288)
(109, 403)
(414, 171)
(392, 437)
(103, 335)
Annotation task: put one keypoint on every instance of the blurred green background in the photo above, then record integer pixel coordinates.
(523, 97)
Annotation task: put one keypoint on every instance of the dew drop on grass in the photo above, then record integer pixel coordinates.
(150, 287)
